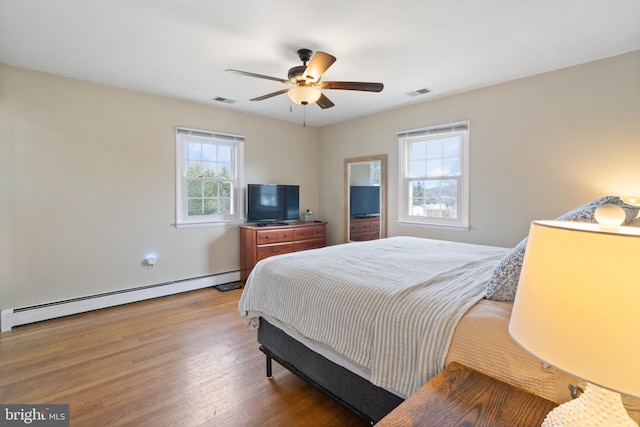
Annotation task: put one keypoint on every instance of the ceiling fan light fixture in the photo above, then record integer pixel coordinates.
(304, 95)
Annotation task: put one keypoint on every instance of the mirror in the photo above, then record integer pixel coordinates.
(365, 198)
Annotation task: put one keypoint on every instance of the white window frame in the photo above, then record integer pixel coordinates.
(183, 219)
(405, 139)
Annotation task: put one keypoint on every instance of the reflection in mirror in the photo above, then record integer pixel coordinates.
(365, 198)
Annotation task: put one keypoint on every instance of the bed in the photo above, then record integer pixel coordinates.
(370, 322)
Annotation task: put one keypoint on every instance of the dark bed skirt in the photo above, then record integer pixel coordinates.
(368, 401)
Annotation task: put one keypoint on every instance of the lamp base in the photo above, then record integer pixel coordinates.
(597, 406)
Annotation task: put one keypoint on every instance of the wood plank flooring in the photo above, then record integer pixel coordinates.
(184, 360)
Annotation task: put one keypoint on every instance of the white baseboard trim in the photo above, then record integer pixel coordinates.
(10, 317)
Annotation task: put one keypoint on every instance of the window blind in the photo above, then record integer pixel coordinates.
(432, 130)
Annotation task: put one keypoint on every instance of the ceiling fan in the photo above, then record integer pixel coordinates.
(306, 83)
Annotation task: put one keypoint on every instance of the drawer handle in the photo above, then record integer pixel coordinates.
(276, 250)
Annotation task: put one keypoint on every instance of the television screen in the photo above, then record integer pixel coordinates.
(272, 202)
(364, 200)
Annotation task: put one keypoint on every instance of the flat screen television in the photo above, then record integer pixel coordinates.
(364, 200)
(272, 203)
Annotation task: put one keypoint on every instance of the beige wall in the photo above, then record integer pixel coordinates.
(539, 147)
(87, 186)
(87, 181)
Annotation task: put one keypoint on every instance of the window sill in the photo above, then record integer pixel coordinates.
(230, 222)
(457, 227)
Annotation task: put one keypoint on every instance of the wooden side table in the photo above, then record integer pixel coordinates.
(460, 396)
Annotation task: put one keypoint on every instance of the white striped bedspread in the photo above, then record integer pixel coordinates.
(389, 305)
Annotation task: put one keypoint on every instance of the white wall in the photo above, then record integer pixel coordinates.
(87, 186)
(539, 147)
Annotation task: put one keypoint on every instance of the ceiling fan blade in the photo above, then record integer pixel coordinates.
(270, 95)
(324, 102)
(319, 63)
(260, 76)
(363, 86)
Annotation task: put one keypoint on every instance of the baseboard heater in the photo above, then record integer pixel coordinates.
(10, 317)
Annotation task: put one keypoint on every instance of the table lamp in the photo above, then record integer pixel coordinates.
(578, 308)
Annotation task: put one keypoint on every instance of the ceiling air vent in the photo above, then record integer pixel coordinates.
(225, 100)
(419, 92)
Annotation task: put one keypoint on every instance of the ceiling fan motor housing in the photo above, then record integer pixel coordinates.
(295, 73)
(304, 55)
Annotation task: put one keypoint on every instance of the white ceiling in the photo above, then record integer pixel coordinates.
(180, 48)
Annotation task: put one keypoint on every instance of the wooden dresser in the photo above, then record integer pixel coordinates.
(361, 229)
(257, 243)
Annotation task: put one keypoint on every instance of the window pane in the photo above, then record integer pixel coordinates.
(224, 206)
(375, 173)
(450, 189)
(434, 168)
(434, 149)
(452, 147)
(451, 166)
(224, 170)
(432, 189)
(209, 152)
(194, 189)
(210, 206)
(417, 189)
(195, 207)
(419, 150)
(225, 154)
(208, 169)
(418, 168)
(225, 189)
(194, 168)
(210, 189)
(194, 151)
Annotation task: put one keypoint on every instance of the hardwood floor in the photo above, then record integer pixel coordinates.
(184, 360)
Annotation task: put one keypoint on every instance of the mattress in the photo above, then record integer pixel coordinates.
(481, 341)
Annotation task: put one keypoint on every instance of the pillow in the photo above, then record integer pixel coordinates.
(631, 213)
(634, 222)
(504, 280)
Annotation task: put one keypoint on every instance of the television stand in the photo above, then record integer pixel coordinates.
(364, 228)
(258, 242)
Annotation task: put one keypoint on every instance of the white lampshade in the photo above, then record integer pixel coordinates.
(578, 302)
(304, 94)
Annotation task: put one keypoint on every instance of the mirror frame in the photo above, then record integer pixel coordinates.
(382, 158)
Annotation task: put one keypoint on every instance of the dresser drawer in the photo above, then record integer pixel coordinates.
(360, 227)
(258, 243)
(315, 232)
(265, 237)
(310, 244)
(278, 249)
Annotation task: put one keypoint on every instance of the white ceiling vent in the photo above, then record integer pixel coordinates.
(419, 92)
(225, 100)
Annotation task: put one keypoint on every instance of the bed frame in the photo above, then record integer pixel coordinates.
(366, 400)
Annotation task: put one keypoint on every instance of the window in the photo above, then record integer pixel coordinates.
(434, 167)
(209, 177)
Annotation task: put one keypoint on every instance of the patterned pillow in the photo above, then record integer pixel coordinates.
(631, 213)
(504, 281)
